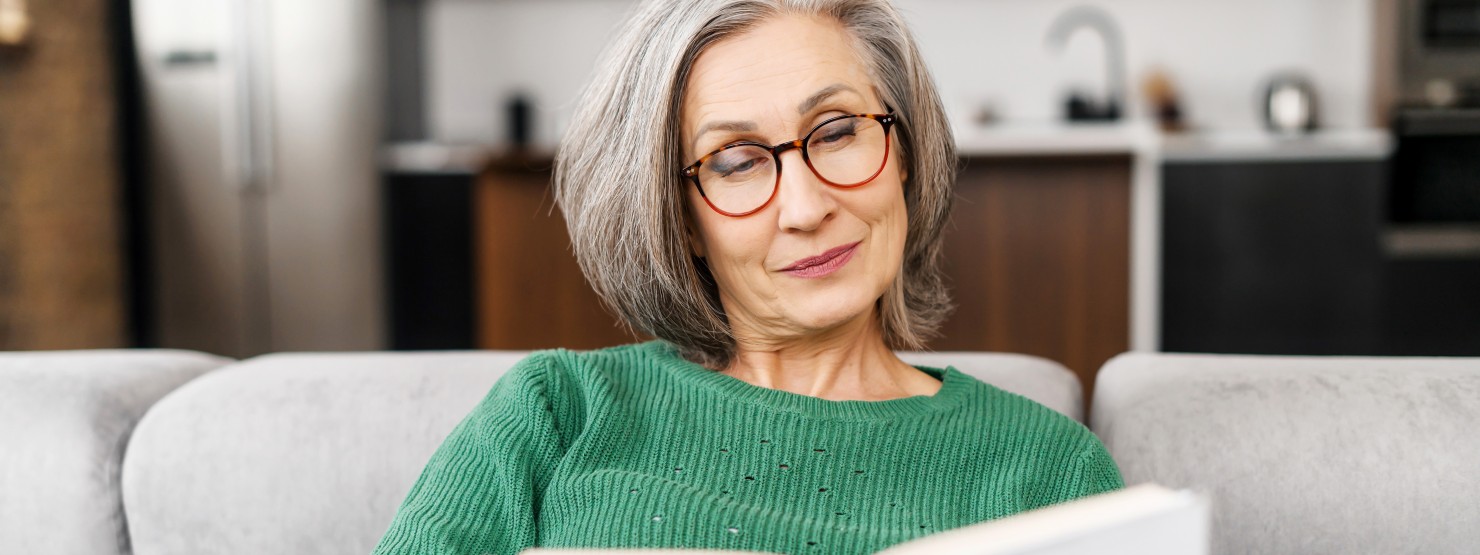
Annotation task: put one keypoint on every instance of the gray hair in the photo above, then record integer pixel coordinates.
(617, 182)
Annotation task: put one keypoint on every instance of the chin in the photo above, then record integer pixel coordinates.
(829, 310)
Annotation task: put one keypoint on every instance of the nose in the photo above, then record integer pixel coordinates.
(803, 201)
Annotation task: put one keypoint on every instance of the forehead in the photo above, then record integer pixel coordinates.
(772, 66)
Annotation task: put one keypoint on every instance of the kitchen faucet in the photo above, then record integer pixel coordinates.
(1077, 107)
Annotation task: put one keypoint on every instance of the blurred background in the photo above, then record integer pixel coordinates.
(250, 176)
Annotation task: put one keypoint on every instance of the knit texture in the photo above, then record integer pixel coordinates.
(634, 446)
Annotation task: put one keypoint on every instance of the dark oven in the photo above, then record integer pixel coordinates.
(1436, 168)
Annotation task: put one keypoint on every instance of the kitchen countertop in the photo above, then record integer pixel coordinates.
(456, 158)
(1258, 145)
(430, 157)
(1141, 137)
(1054, 138)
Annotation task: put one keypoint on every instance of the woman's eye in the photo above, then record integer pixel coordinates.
(835, 137)
(726, 168)
(739, 167)
(834, 133)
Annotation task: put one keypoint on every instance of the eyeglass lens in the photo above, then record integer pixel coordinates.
(845, 152)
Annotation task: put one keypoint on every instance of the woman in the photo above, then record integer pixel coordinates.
(772, 414)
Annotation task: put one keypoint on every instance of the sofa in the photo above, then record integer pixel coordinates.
(172, 452)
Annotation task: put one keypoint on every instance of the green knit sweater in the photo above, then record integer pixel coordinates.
(634, 446)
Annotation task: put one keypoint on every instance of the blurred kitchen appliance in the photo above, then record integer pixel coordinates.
(1439, 63)
(518, 109)
(1436, 166)
(1289, 104)
(263, 126)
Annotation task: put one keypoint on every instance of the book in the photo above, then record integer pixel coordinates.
(1141, 520)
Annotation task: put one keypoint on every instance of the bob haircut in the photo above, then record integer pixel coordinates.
(617, 171)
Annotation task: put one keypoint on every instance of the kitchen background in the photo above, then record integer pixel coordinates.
(243, 177)
(981, 51)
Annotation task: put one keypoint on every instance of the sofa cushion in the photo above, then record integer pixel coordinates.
(313, 452)
(65, 418)
(1305, 454)
(295, 453)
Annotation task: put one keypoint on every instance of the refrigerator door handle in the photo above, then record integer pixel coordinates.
(251, 128)
(185, 57)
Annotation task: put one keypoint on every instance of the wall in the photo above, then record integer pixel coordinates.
(982, 52)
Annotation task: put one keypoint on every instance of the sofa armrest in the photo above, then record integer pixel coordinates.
(65, 419)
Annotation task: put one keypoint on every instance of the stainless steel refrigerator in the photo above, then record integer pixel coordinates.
(263, 124)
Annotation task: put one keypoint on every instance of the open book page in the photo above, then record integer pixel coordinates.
(1141, 520)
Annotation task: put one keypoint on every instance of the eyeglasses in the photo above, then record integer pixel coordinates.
(845, 151)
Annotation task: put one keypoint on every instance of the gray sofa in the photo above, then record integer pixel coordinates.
(1305, 454)
(313, 452)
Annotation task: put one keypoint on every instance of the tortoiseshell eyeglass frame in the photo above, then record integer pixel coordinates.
(886, 121)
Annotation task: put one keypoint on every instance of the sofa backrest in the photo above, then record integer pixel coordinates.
(313, 453)
(1042, 380)
(1305, 454)
(65, 419)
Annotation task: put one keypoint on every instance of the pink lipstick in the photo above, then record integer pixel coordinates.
(822, 264)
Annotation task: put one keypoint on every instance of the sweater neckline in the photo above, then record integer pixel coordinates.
(953, 388)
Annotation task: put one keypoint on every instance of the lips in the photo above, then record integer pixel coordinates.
(822, 264)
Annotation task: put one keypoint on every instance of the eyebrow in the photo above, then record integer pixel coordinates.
(817, 98)
(743, 126)
(732, 126)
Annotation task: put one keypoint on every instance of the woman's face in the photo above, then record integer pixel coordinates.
(770, 85)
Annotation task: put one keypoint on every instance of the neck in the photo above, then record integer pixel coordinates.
(846, 362)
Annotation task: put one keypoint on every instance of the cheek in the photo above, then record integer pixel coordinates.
(899, 223)
(728, 244)
(890, 219)
(899, 209)
(899, 227)
(886, 205)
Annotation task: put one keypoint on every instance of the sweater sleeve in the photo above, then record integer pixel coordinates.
(1098, 472)
(480, 491)
(1091, 471)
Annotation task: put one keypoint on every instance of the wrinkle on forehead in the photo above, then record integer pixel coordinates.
(760, 75)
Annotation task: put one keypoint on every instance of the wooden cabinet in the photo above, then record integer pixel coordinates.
(529, 292)
(1038, 253)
